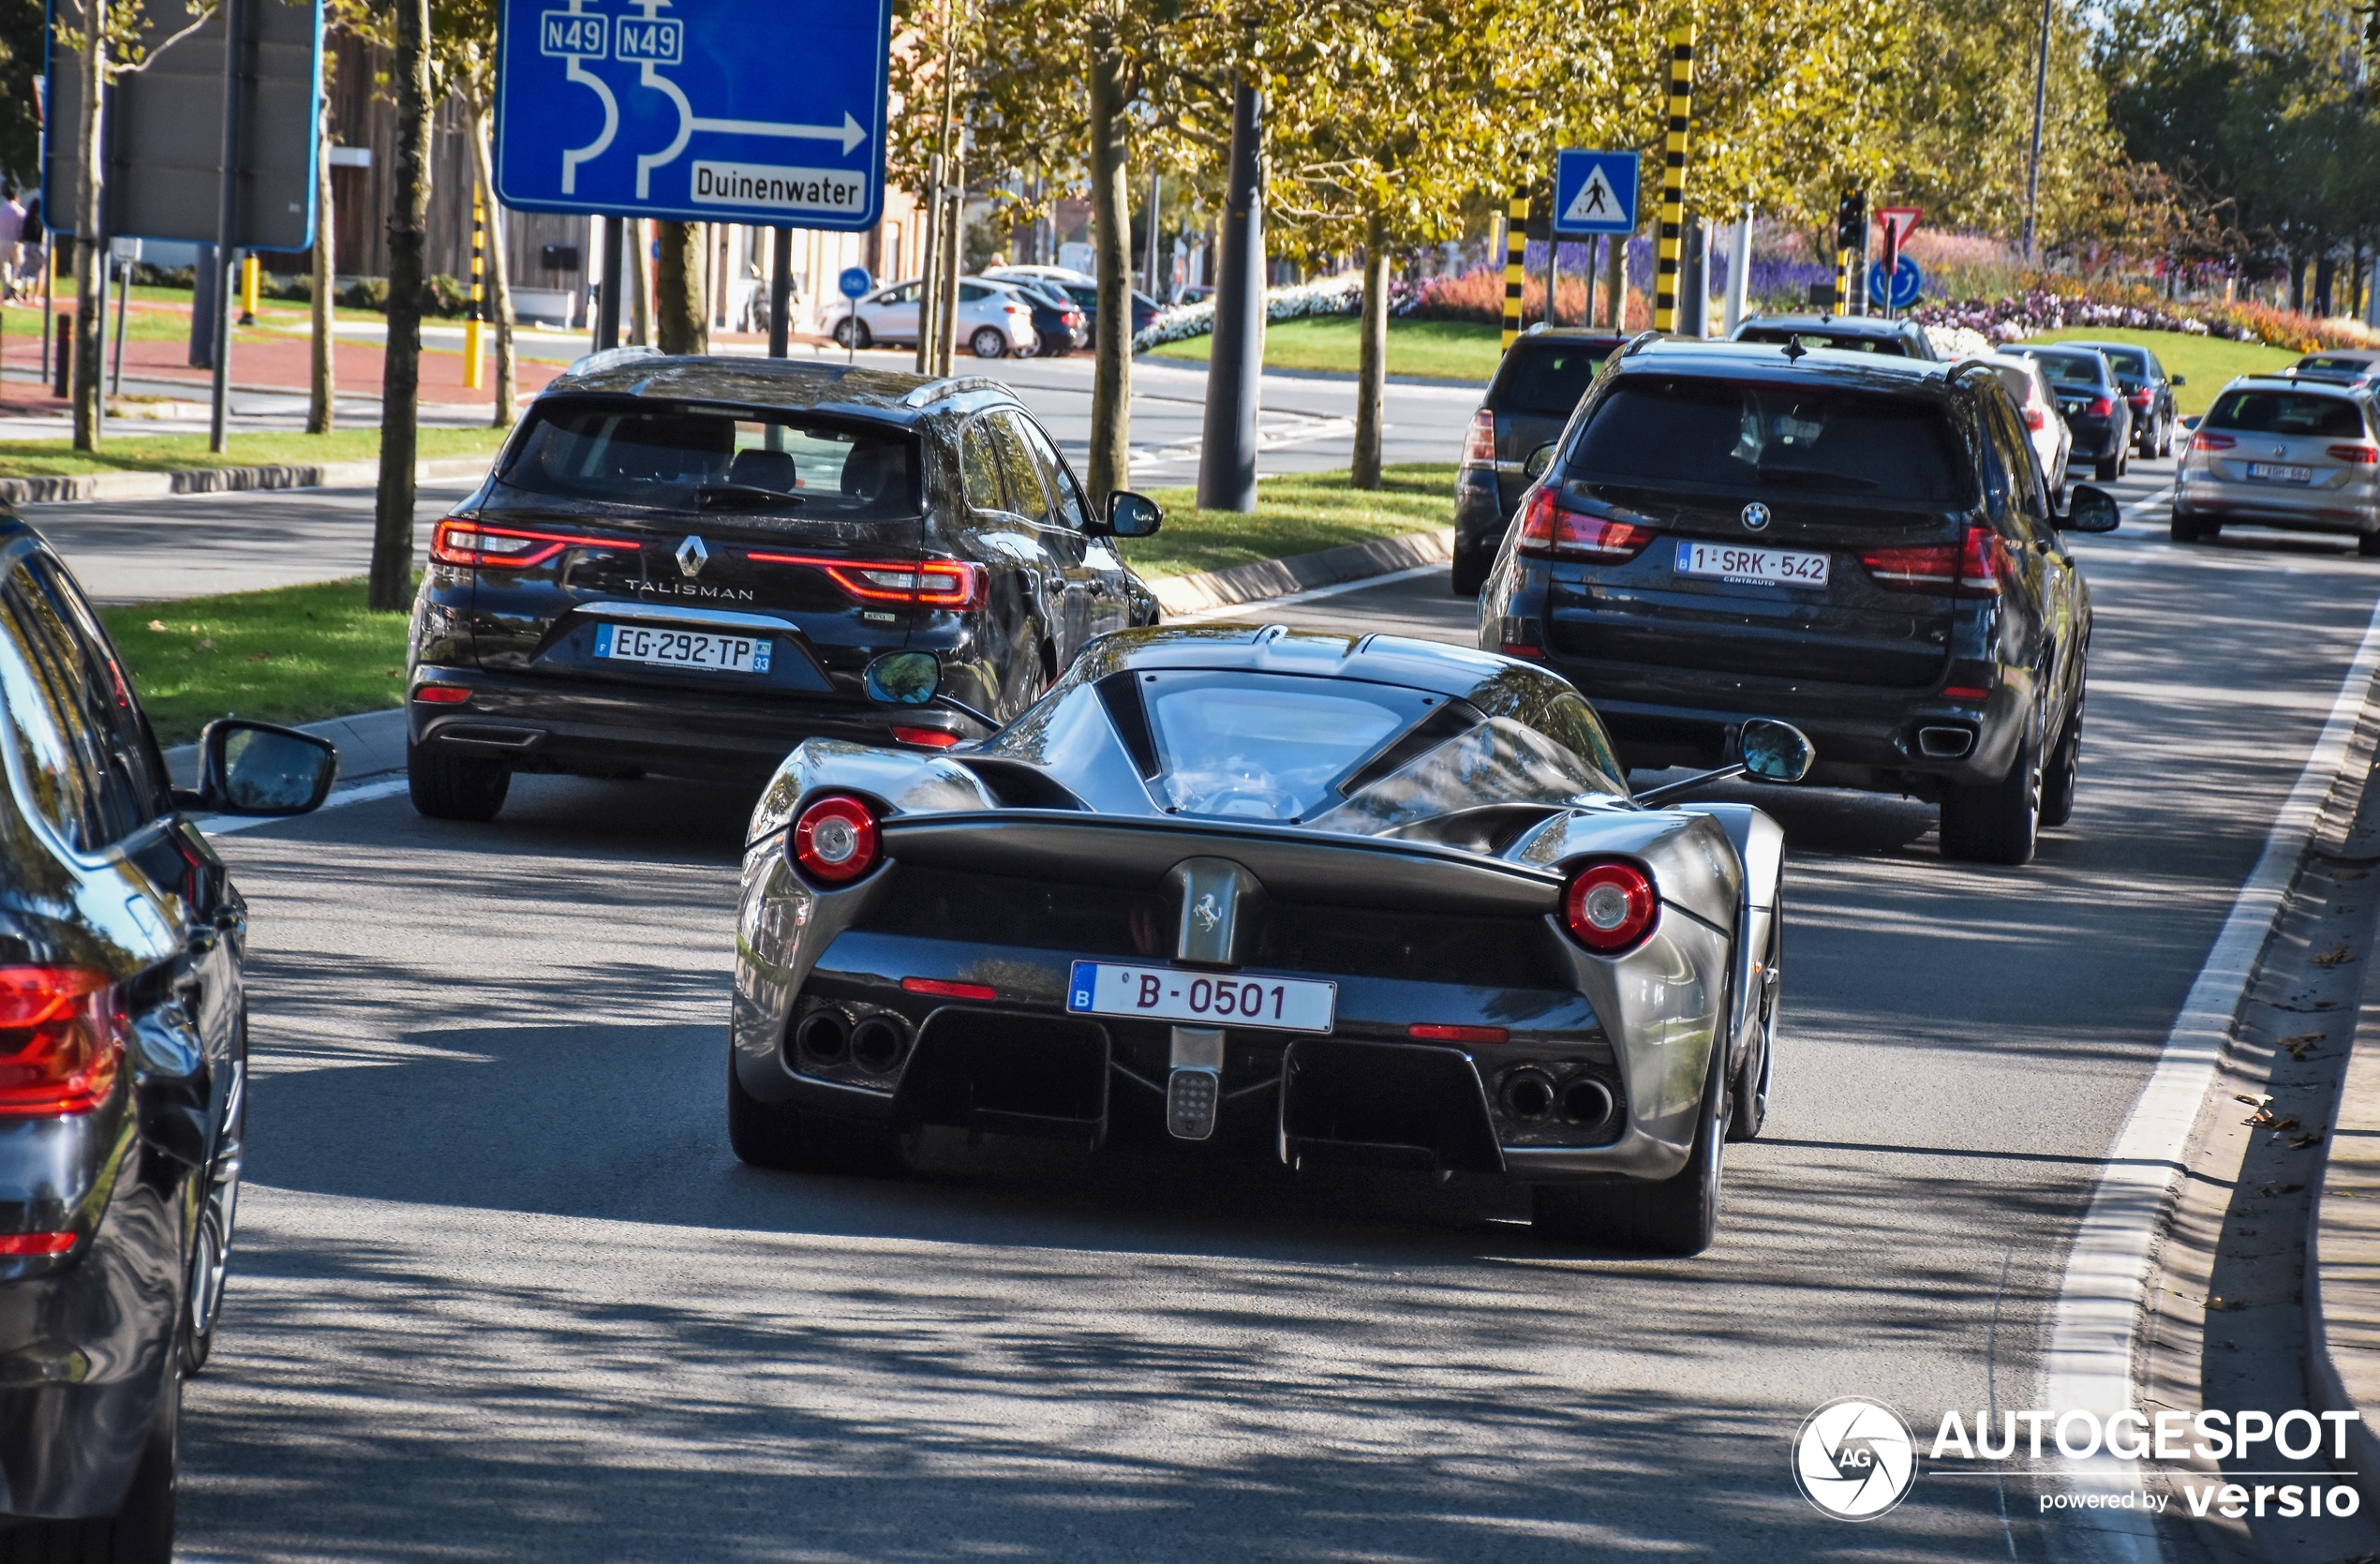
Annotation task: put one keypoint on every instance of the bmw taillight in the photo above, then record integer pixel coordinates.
(1610, 907)
(1972, 567)
(460, 541)
(1479, 444)
(61, 1039)
(835, 838)
(2101, 406)
(1549, 531)
(2204, 440)
(2357, 455)
(951, 583)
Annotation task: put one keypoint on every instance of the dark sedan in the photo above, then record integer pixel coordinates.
(1536, 387)
(2357, 368)
(681, 566)
(1086, 298)
(123, 1070)
(1863, 547)
(2149, 390)
(1844, 334)
(1057, 320)
(2090, 397)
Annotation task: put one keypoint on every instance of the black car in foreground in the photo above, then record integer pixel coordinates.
(2090, 397)
(1312, 897)
(681, 566)
(1536, 387)
(2149, 392)
(123, 1069)
(1861, 545)
(1846, 334)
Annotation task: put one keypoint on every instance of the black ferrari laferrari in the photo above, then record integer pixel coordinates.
(1324, 896)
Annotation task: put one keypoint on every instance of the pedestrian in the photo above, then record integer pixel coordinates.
(11, 231)
(32, 251)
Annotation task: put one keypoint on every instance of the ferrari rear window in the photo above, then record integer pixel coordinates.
(2287, 412)
(1266, 746)
(715, 458)
(1763, 439)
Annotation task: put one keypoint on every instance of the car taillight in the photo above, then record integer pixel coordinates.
(15, 1245)
(2203, 440)
(1549, 532)
(2361, 456)
(2139, 398)
(1610, 906)
(1973, 567)
(835, 839)
(955, 584)
(2101, 406)
(457, 541)
(932, 738)
(61, 1039)
(2036, 419)
(1479, 445)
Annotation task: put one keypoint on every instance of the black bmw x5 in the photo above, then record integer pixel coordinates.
(1863, 546)
(681, 566)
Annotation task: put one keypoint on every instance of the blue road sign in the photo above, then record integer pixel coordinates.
(1908, 283)
(854, 282)
(718, 110)
(1594, 192)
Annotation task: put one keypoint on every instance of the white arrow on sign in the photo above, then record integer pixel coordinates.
(1596, 199)
(849, 133)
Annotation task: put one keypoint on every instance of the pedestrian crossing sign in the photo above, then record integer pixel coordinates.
(1594, 192)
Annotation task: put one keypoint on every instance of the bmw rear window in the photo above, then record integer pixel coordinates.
(680, 457)
(1787, 440)
(1849, 342)
(1549, 378)
(2287, 412)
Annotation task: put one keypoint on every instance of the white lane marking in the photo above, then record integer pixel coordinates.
(2107, 1272)
(2132, 511)
(1310, 595)
(224, 824)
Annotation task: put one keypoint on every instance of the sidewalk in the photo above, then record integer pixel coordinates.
(270, 359)
(2343, 1256)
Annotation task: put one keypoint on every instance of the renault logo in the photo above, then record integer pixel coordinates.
(692, 556)
(1755, 517)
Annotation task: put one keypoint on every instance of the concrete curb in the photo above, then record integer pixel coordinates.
(369, 744)
(223, 479)
(1272, 578)
(2342, 1290)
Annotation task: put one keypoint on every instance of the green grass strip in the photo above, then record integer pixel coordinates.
(124, 453)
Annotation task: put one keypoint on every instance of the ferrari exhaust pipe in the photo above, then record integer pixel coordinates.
(823, 1037)
(1586, 1103)
(876, 1043)
(1528, 1096)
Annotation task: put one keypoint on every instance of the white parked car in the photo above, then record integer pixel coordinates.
(2053, 441)
(1046, 274)
(993, 321)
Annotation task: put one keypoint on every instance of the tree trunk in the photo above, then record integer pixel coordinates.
(1372, 358)
(499, 279)
(392, 584)
(680, 320)
(1111, 221)
(640, 284)
(90, 247)
(324, 388)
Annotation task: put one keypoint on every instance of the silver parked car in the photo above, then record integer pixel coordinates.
(993, 321)
(2281, 452)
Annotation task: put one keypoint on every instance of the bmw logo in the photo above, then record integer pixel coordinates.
(1755, 517)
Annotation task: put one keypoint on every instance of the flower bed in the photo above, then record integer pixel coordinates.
(2057, 304)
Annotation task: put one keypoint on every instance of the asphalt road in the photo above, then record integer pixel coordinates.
(151, 550)
(502, 1291)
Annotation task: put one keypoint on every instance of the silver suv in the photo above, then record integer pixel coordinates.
(2279, 453)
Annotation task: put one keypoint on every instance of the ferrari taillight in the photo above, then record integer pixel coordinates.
(835, 839)
(61, 1039)
(1479, 445)
(1549, 531)
(1973, 567)
(1610, 906)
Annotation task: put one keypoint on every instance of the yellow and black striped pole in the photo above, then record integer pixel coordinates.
(474, 377)
(1516, 243)
(1673, 177)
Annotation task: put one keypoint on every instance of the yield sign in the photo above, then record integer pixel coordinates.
(1897, 222)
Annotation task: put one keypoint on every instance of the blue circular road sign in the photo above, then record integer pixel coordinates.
(1908, 283)
(854, 282)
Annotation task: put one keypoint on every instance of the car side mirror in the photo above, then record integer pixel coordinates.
(261, 768)
(2091, 510)
(1540, 459)
(1133, 515)
(2178, 381)
(903, 679)
(1777, 752)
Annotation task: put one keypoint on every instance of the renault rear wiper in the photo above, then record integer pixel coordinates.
(742, 496)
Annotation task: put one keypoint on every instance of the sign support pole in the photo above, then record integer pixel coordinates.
(225, 217)
(614, 231)
(1516, 248)
(1673, 177)
(474, 372)
(781, 289)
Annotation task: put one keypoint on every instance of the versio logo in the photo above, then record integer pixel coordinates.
(1854, 1459)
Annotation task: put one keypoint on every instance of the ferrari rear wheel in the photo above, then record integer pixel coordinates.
(1747, 1109)
(779, 1135)
(1675, 1215)
(1996, 822)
